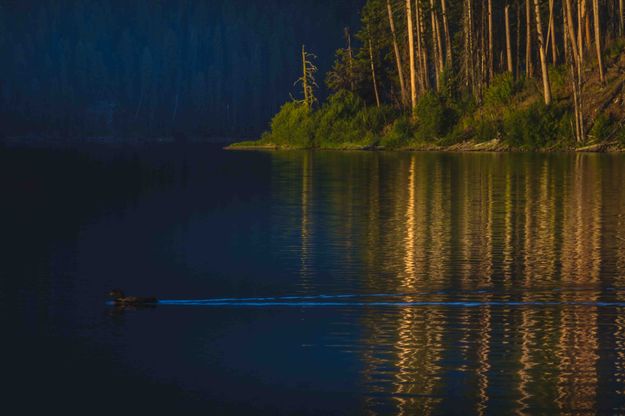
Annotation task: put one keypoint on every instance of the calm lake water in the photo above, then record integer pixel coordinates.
(312, 282)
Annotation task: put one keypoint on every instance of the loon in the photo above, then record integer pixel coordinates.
(119, 298)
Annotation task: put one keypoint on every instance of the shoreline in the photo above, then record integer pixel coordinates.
(493, 146)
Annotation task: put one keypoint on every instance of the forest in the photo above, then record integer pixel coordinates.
(466, 74)
(144, 69)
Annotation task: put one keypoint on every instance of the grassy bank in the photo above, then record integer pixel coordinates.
(510, 117)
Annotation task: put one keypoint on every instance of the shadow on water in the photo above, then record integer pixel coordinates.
(333, 283)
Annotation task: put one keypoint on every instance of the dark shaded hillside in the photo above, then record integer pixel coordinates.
(73, 68)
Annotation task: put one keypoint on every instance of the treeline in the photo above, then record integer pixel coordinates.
(535, 73)
(142, 68)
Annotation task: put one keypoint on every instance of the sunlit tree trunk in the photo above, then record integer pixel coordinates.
(491, 54)
(529, 67)
(423, 50)
(435, 46)
(305, 78)
(483, 53)
(413, 78)
(518, 37)
(576, 70)
(595, 8)
(439, 45)
(508, 43)
(469, 46)
(621, 22)
(400, 71)
(581, 4)
(565, 36)
(543, 56)
(373, 78)
(350, 57)
(586, 18)
(551, 35)
(448, 45)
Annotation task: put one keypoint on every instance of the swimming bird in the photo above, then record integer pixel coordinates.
(119, 298)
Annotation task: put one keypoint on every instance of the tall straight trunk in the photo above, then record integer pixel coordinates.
(422, 47)
(469, 54)
(586, 23)
(581, 5)
(400, 71)
(528, 40)
(413, 78)
(595, 9)
(439, 44)
(373, 78)
(576, 69)
(305, 78)
(483, 53)
(543, 56)
(491, 52)
(621, 22)
(435, 43)
(508, 43)
(448, 46)
(518, 37)
(565, 36)
(467, 44)
(551, 34)
(350, 57)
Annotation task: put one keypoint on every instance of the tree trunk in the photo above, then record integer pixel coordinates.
(508, 44)
(350, 56)
(483, 53)
(448, 45)
(551, 35)
(543, 56)
(576, 69)
(413, 79)
(439, 45)
(491, 54)
(373, 79)
(305, 77)
(470, 70)
(518, 37)
(421, 47)
(586, 23)
(400, 71)
(621, 22)
(528, 40)
(435, 43)
(595, 9)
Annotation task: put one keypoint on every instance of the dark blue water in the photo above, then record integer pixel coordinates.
(312, 283)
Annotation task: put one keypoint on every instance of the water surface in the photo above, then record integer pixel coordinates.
(313, 282)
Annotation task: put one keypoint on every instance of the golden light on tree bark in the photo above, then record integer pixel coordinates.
(543, 56)
(413, 78)
(448, 45)
(595, 9)
(529, 70)
(400, 71)
(422, 52)
(508, 42)
(373, 77)
(491, 55)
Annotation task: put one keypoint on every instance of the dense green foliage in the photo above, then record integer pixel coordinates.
(344, 121)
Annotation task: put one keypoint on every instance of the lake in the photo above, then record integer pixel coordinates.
(313, 283)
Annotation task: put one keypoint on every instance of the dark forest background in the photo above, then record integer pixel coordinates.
(157, 68)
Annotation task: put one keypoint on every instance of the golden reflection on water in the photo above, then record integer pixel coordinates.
(490, 229)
